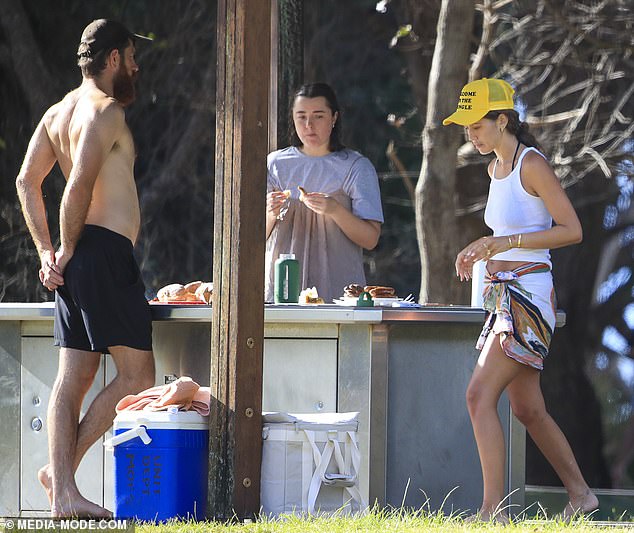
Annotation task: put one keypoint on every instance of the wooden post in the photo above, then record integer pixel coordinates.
(235, 420)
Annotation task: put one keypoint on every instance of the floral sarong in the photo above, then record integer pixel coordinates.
(521, 309)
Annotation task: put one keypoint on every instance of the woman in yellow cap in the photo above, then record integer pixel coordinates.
(525, 198)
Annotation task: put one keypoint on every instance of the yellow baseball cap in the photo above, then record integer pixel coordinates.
(478, 98)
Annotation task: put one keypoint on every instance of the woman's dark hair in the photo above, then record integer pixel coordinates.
(314, 90)
(516, 126)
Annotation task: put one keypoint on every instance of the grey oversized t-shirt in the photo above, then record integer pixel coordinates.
(328, 259)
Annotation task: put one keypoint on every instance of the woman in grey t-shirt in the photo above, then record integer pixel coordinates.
(339, 214)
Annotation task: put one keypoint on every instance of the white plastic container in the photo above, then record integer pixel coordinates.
(477, 283)
(310, 464)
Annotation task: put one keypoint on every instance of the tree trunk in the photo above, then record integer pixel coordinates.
(40, 88)
(435, 191)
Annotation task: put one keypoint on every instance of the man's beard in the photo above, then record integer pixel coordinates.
(123, 88)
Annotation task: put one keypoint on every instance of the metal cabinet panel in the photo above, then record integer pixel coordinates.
(39, 368)
(300, 375)
(9, 418)
(182, 349)
(432, 457)
(362, 387)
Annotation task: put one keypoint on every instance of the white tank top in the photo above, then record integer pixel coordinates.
(511, 210)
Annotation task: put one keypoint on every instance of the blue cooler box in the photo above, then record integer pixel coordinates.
(160, 462)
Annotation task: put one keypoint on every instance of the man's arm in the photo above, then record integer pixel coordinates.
(95, 140)
(37, 164)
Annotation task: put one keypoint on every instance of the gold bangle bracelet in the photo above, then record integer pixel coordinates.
(519, 241)
(510, 241)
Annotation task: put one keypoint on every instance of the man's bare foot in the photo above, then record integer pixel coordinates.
(44, 476)
(582, 505)
(78, 507)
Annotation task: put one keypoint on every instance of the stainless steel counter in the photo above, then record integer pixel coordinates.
(405, 370)
(290, 313)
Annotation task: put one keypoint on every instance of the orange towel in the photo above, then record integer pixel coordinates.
(184, 394)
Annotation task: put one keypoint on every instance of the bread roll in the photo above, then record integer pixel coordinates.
(353, 290)
(380, 291)
(310, 296)
(171, 293)
(204, 292)
(192, 286)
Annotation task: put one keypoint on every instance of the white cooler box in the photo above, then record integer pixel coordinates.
(310, 464)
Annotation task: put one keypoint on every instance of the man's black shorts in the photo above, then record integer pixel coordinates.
(102, 302)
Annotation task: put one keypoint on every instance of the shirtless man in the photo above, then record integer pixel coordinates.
(100, 305)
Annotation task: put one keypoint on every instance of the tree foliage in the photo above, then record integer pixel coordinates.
(172, 121)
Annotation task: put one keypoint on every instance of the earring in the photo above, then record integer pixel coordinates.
(333, 125)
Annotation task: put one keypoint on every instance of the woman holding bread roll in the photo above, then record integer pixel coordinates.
(323, 202)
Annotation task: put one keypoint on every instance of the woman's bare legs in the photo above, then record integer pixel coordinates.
(493, 372)
(528, 406)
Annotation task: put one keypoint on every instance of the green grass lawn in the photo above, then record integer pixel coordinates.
(381, 521)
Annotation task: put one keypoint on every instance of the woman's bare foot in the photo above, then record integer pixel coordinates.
(581, 505)
(77, 507)
(44, 476)
(497, 517)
